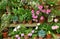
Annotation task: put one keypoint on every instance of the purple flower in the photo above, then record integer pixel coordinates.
(16, 36)
(48, 11)
(30, 34)
(32, 31)
(32, 11)
(22, 34)
(40, 7)
(55, 27)
(37, 12)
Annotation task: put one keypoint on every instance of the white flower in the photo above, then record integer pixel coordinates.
(32, 31)
(15, 29)
(38, 24)
(22, 34)
(55, 20)
(16, 36)
(36, 27)
(18, 26)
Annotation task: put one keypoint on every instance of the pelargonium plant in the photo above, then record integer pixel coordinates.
(42, 10)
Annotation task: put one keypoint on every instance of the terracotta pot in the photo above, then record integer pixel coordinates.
(5, 34)
(14, 22)
(26, 37)
(49, 36)
(35, 37)
(58, 36)
(9, 38)
(40, 37)
(30, 21)
(24, 22)
(41, 21)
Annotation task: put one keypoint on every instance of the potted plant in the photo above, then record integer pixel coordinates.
(14, 19)
(34, 36)
(55, 27)
(29, 16)
(27, 33)
(22, 18)
(5, 33)
(41, 34)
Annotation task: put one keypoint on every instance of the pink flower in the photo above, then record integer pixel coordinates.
(47, 6)
(48, 11)
(43, 10)
(55, 27)
(30, 34)
(32, 31)
(36, 20)
(22, 34)
(37, 12)
(55, 20)
(35, 17)
(32, 11)
(42, 18)
(16, 36)
(33, 14)
(40, 7)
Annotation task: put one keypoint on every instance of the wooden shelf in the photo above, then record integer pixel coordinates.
(26, 25)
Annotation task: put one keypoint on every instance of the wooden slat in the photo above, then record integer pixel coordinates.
(26, 25)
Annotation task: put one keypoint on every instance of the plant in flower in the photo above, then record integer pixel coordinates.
(41, 11)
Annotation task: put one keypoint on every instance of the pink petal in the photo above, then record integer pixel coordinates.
(43, 10)
(37, 12)
(40, 7)
(35, 17)
(48, 11)
(42, 18)
(32, 11)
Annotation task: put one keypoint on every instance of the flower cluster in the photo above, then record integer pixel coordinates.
(41, 9)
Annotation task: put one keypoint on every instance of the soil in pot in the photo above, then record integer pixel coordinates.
(58, 36)
(26, 37)
(14, 22)
(40, 37)
(35, 37)
(5, 34)
(30, 21)
(24, 22)
(48, 36)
